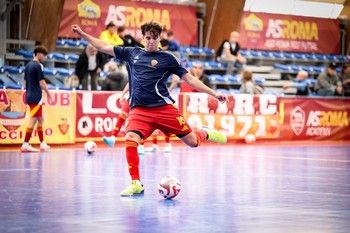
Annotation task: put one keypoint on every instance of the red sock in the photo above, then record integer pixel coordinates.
(154, 139)
(167, 139)
(120, 122)
(133, 159)
(40, 133)
(201, 136)
(28, 134)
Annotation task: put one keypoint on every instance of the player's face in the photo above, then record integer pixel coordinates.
(151, 42)
(42, 57)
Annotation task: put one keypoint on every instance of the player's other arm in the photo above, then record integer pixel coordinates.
(200, 86)
(97, 43)
(46, 89)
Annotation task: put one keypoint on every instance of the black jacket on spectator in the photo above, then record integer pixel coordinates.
(81, 67)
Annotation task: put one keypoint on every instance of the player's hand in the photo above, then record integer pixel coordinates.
(221, 97)
(77, 30)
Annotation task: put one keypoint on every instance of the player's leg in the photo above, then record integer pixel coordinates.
(138, 127)
(110, 141)
(34, 109)
(154, 146)
(39, 128)
(168, 147)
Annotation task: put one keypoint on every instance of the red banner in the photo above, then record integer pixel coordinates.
(92, 16)
(240, 116)
(276, 32)
(315, 118)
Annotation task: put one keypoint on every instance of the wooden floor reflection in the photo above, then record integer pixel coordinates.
(237, 188)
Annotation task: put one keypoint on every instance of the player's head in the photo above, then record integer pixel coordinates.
(40, 52)
(151, 35)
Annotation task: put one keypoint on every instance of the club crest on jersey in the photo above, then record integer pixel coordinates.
(154, 63)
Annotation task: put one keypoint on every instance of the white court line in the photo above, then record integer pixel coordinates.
(18, 170)
(313, 193)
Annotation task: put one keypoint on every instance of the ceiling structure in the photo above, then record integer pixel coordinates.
(311, 8)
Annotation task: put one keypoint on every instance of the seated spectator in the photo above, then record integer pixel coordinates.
(300, 83)
(328, 82)
(116, 79)
(110, 35)
(247, 86)
(345, 79)
(228, 52)
(174, 45)
(90, 62)
(129, 40)
(198, 69)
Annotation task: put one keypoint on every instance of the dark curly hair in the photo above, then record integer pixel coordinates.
(152, 27)
(40, 49)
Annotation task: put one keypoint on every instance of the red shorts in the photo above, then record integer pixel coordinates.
(166, 118)
(36, 110)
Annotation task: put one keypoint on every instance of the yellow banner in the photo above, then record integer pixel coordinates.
(59, 117)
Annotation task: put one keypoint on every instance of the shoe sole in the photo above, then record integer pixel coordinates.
(132, 195)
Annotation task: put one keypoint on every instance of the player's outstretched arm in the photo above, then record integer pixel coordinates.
(200, 86)
(101, 45)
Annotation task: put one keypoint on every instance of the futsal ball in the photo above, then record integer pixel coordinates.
(249, 139)
(90, 146)
(169, 187)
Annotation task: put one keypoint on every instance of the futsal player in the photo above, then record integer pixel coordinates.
(34, 82)
(151, 106)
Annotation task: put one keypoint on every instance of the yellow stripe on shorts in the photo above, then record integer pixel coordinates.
(34, 110)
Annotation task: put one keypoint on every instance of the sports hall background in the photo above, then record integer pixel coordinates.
(270, 117)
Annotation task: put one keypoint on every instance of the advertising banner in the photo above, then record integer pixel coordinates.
(59, 117)
(276, 32)
(93, 16)
(315, 118)
(240, 116)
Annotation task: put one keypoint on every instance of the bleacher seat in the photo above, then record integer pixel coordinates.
(58, 56)
(24, 53)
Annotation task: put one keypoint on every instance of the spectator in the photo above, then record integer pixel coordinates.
(300, 83)
(116, 79)
(129, 40)
(328, 83)
(247, 86)
(174, 45)
(90, 62)
(199, 72)
(345, 79)
(228, 52)
(110, 35)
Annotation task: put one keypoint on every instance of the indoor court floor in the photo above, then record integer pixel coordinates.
(260, 188)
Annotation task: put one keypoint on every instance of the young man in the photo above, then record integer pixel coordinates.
(34, 82)
(151, 106)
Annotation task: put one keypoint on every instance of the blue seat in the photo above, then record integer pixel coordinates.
(318, 69)
(300, 56)
(310, 56)
(311, 81)
(24, 53)
(13, 86)
(277, 54)
(73, 43)
(296, 68)
(289, 55)
(234, 79)
(63, 71)
(255, 53)
(208, 51)
(14, 70)
(259, 80)
(72, 56)
(58, 56)
(307, 68)
(61, 42)
(213, 77)
(267, 54)
(321, 57)
(49, 71)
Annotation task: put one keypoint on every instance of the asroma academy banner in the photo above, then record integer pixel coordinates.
(315, 118)
(93, 16)
(276, 32)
